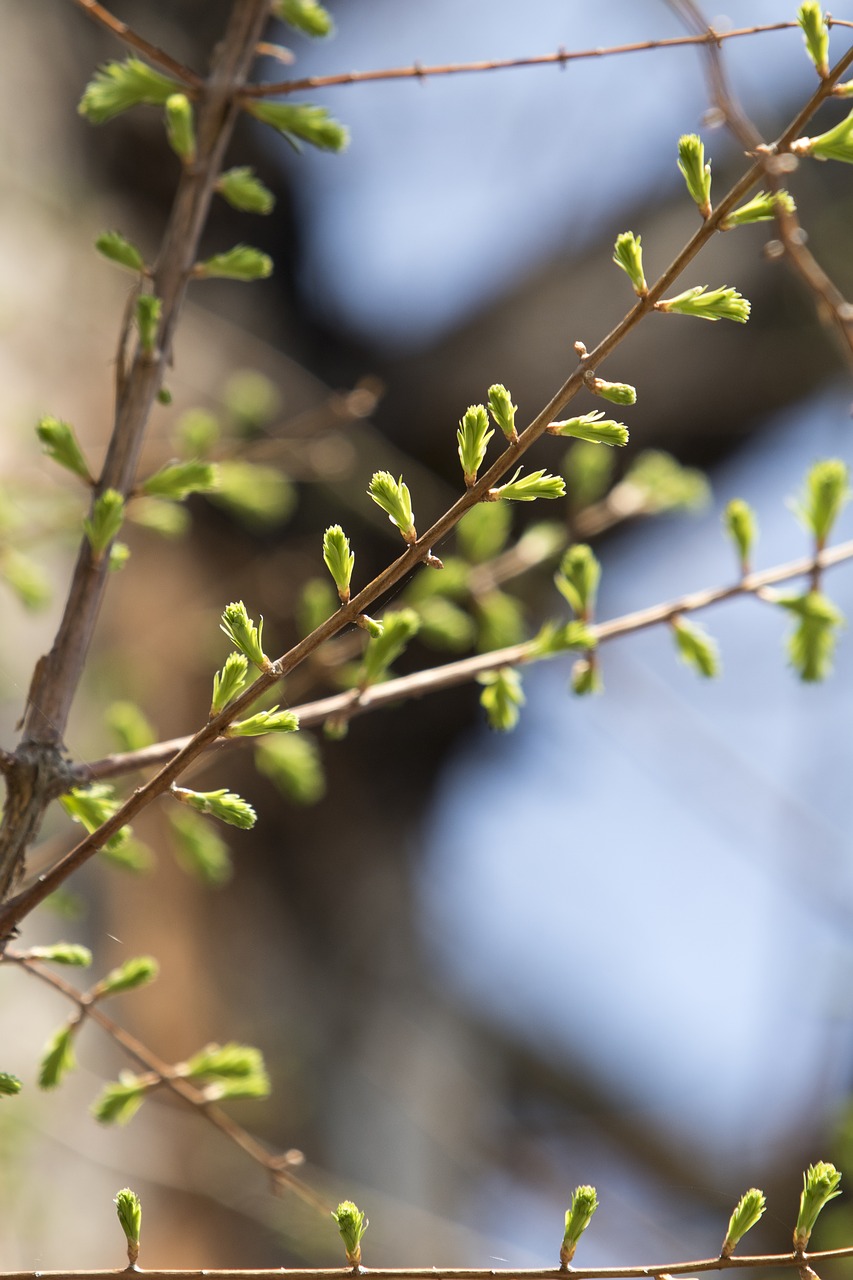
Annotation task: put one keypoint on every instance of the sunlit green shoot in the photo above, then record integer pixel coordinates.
(149, 309)
(825, 494)
(615, 392)
(177, 480)
(747, 1213)
(577, 580)
(244, 190)
(696, 648)
(58, 1058)
(473, 437)
(761, 208)
(300, 122)
(394, 498)
(117, 86)
(536, 484)
(306, 16)
(228, 682)
(352, 1225)
(117, 249)
(223, 804)
(339, 559)
(243, 262)
(578, 1217)
(697, 174)
(244, 635)
(592, 427)
(271, 721)
(136, 972)
(741, 524)
(503, 411)
(708, 304)
(106, 519)
(811, 645)
(502, 698)
(820, 1185)
(628, 254)
(119, 1101)
(129, 1210)
(815, 30)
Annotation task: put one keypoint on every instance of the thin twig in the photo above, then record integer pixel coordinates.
(133, 40)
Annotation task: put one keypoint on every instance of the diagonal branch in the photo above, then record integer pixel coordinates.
(133, 40)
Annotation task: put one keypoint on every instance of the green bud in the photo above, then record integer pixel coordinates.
(811, 645)
(696, 648)
(503, 411)
(628, 254)
(104, 522)
(826, 493)
(196, 432)
(742, 527)
(244, 635)
(180, 127)
(272, 721)
(119, 556)
(708, 304)
(117, 86)
(338, 559)
(26, 578)
(179, 479)
(536, 484)
(820, 1185)
(482, 533)
(293, 765)
(761, 208)
(553, 639)
(614, 392)
(588, 471)
(394, 498)
(306, 16)
(129, 1212)
(398, 628)
(91, 806)
(352, 1225)
(199, 849)
(164, 396)
(168, 519)
(70, 953)
(130, 726)
(300, 122)
(586, 677)
(148, 311)
(749, 1209)
(222, 804)
(228, 682)
(116, 248)
(229, 1061)
(666, 485)
(577, 580)
(501, 698)
(9, 1085)
(816, 34)
(118, 1102)
(60, 443)
(578, 1218)
(261, 497)
(473, 437)
(697, 174)
(244, 191)
(240, 263)
(134, 973)
(58, 1058)
(835, 144)
(592, 427)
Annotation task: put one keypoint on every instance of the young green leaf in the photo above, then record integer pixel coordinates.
(825, 494)
(92, 806)
(300, 122)
(338, 559)
(134, 973)
(536, 484)
(696, 648)
(708, 304)
(578, 1217)
(117, 86)
(553, 639)
(306, 16)
(352, 1225)
(503, 411)
(398, 628)
(244, 635)
(761, 208)
(199, 849)
(240, 263)
(820, 1185)
(835, 144)
(222, 804)
(697, 174)
(502, 698)
(272, 721)
(586, 677)
(177, 480)
(628, 254)
(592, 427)
(60, 443)
(394, 498)
(666, 485)
(811, 645)
(228, 682)
(293, 765)
(118, 1102)
(106, 519)
(9, 1085)
(68, 953)
(180, 127)
(749, 1209)
(129, 1212)
(741, 525)
(244, 191)
(816, 35)
(58, 1058)
(149, 308)
(577, 580)
(614, 392)
(473, 438)
(224, 1062)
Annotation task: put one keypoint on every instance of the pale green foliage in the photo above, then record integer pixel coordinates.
(394, 498)
(708, 304)
(536, 484)
(228, 682)
(244, 190)
(105, 521)
(261, 497)
(588, 471)
(628, 254)
(229, 1071)
(243, 634)
(811, 645)
(180, 127)
(306, 16)
(592, 427)
(196, 432)
(118, 1102)
(503, 411)
(697, 174)
(815, 33)
(741, 525)
(168, 519)
(177, 480)
(129, 1210)
(352, 1225)
(825, 494)
(501, 621)
(749, 1209)
(92, 806)
(262, 722)
(696, 648)
(586, 677)
(68, 953)
(483, 531)
(339, 559)
(835, 144)
(9, 1085)
(553, 639)
(578, 1217)
(243, 262)
(473, 438)
(615, 392)
(58, 1058)
(761, 208)
(60, 443)
(293, 765)
(222, 804)
(300, 122)
(149, 308)
(820, 1185)
(25, 578)
(136, 972)
(502, 698)
(117, 86)
(398, 628)
(199, 848)
(666, 485)
(577, 579)
(444, 625)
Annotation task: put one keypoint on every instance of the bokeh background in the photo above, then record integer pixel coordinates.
(612, 947)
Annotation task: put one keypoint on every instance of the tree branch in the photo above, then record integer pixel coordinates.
(133, 40)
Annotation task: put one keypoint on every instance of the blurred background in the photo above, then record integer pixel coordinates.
(611, 947)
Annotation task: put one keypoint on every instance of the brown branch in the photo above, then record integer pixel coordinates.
(133, 40)
(275, 1165)
(561, 58)
(418, 552)
(749, 1262)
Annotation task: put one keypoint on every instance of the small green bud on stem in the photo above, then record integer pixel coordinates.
(536, 484)
(352, 1225)
(816, 35)
(503, 411)
(708, 304)
(742, 527)
(394, 498)
(339, 560)
(697, 174)
(615, 392)
(747, 1213)
(820, 1185)
(180, 127)
(628, 254)
(473, 437)
(129, 1212)
(578, 1218)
